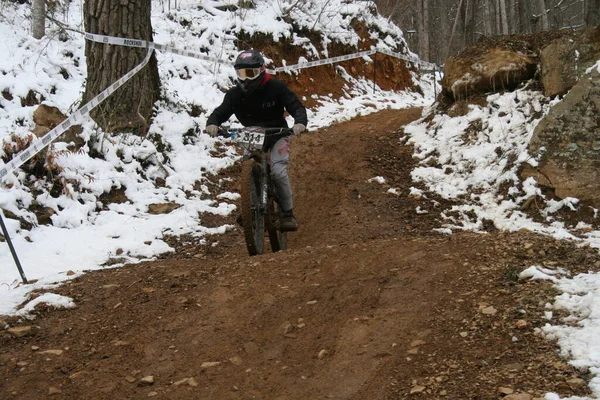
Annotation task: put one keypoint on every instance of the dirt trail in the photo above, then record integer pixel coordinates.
(368, 303)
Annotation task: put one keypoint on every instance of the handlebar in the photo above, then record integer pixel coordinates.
(230, 133)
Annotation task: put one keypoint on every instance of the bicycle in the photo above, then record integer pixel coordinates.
(259, 204)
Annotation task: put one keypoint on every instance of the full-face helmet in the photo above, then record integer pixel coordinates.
(250, 68)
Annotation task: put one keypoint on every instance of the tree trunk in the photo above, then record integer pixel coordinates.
(129, 109)
(544, 15)
(423, 26)
(592, 12)
(487, 18)
(38, 14)
(503, 17)
(498, 18)
(513, 17)
(453, 28)
(526, 17)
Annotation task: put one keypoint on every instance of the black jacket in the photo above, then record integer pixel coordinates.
(264, 107)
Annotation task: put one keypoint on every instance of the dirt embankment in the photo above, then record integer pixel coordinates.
(368, 303)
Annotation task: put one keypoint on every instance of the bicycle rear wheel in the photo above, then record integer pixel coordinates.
(277, 238)
(253, 219)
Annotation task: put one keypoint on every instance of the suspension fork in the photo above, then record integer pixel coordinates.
(264, 190)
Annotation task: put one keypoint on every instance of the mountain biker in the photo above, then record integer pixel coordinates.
(258, 99)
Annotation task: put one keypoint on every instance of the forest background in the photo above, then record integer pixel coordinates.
(436, 29)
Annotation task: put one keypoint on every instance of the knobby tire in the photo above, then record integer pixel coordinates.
(253, 220)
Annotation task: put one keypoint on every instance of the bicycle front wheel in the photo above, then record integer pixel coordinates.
(252, 217)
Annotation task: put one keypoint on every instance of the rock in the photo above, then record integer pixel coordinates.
(52, 390)
(48, 117)
(163, 208)
(251, 348)
(147, 381)
(76, 374)
(504, 390)
(569, 135)
(183, 381)
(514, 367)
(564, 60)
(417, 342)
(130, 379)
(192, 382)
(35, 348)
(493, 70)
(236, 360)
(152, 394)
(521, 324)
(518, 396)
(575, 382)
(489, 310)
(268, 299)
(417, 389)
(209, 364)
(53, 352)
(287, 328)
(322, 354)
(20, 331)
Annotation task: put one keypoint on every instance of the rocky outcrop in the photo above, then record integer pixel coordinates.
(498, 69)
(565, 60)
(568, 141)
(496, 64)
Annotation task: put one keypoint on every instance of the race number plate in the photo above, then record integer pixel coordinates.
(250, 139)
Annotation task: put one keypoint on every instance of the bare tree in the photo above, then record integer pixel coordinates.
(456, 20)
(487, 18)
(544, 15)
(38, 12)
(503, 16)
(592, 12)
(423, 28)
(449, 25)
(512, 16)
(129, 109)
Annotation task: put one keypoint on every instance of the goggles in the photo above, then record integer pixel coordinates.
(249, 73)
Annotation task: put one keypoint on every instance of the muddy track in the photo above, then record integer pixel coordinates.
(368, 303)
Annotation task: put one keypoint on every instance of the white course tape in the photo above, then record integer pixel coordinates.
(143, 43)
(161, 47)
(406, 58)
(332, 60)
(116, 40)
(39, 144)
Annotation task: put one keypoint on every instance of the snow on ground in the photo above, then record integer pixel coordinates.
(465, 158)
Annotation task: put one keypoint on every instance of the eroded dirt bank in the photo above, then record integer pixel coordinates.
(368, 303)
